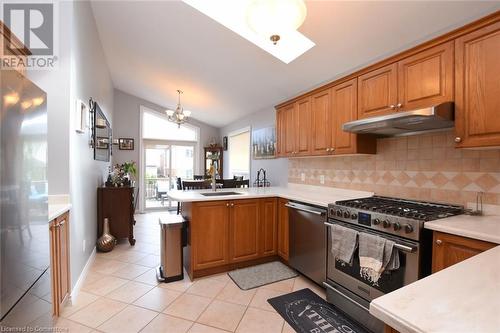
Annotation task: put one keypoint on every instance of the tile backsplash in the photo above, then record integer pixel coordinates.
(424, 167)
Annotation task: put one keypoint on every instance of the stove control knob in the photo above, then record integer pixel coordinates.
(386, 224)
(354, 216)
(376, 222)
(347, 215)
(396, 226)
(339, 212)
(408, 228)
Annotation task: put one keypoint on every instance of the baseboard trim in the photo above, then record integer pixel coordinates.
(78, 285)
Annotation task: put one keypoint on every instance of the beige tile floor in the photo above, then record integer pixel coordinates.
(121, 294)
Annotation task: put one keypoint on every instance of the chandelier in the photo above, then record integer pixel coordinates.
(179, 116)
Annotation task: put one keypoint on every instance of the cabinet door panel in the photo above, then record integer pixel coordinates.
(303, 126)
(63, 243)
(279, 132)
(377, 91)
(269, 226)
(283, 233)
(344, 109)
(289, 133)
(449, 249)
(426, 78)
(244, 230)
(477, 84)
(320, 129)
(210, 234)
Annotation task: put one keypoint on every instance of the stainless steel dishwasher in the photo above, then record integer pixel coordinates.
(308, 240)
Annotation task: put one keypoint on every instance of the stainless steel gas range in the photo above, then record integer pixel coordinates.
(401, 221)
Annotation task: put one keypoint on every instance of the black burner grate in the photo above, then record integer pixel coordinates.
(418, 210)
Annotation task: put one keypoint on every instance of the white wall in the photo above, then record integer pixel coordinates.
(276, 169)
(82, 73)
(126, 125)
(56, 83)
(89, 78)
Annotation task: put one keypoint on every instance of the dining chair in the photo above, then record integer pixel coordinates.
(242, 183)
(195, 185)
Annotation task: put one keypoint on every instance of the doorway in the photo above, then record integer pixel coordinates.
(168, 152)
(164, 163)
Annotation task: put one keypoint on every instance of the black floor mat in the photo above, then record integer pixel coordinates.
(307, 312)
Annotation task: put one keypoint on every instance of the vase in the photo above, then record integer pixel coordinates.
(106, 242)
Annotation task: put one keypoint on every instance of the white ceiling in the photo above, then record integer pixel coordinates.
(154, 48)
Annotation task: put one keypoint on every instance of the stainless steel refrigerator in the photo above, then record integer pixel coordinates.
(25, 257)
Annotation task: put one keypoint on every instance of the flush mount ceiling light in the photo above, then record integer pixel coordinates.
(258, 20)
(179, 116)
(276, 18)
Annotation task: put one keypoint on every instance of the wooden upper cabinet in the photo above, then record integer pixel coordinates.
(477, 85)
(344, 109)
(244, 230)
(289, 130)
(450, 249)
(269, 226)
(378, 92)
(426, 78)
(302, 131)
(209, 232)
(320, 129)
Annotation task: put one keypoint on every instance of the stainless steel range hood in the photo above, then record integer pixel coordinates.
(435, 118)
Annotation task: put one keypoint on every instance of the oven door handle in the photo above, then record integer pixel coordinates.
(306, 210)
(402, 247)
(346, 297)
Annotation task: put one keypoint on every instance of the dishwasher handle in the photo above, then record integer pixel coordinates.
(316, 212)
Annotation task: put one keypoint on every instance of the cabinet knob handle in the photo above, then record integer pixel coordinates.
(332, 149)
(227, 204)
(232, 204)
(327, 149)
(392, 106)
(399, 105)
(458, 139)
(439, 242)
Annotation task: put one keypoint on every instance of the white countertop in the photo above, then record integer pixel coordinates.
(462, 298)
(485, 228)
(315, 195)
(58, 205)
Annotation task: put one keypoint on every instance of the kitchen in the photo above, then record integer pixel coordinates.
(382, 213)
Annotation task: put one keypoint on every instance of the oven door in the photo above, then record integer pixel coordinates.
(350, 278)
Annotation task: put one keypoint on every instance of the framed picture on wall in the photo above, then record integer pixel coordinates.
(126, 144)
(264, 143)
(80, 116)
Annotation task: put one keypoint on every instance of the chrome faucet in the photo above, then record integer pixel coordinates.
(214, 185)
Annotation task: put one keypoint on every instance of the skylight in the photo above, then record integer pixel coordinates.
(232, 15)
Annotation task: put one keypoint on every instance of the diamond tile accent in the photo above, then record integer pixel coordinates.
(425, 167)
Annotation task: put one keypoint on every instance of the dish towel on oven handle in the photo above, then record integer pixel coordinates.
(344, 243)
(375, 255)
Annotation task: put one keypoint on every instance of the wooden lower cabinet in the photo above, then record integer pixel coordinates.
(389, 329)
(209, 231)
(268, 227)
(244, 230)
(223, 235)
(283, 230)
(450, 249)
(59, 261)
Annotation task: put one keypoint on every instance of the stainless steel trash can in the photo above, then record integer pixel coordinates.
(172, 228)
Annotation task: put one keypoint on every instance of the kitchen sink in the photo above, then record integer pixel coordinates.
(216, 194)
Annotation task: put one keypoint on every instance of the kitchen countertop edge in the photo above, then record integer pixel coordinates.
(56, 210)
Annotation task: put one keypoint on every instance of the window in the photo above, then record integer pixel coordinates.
(155, 126)
(239, 153)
